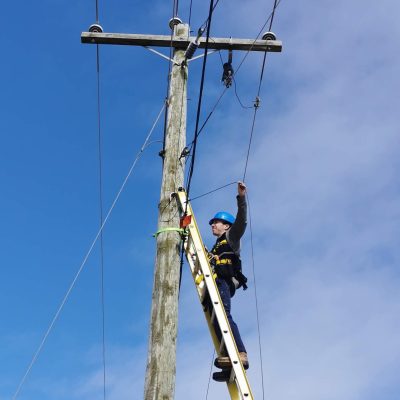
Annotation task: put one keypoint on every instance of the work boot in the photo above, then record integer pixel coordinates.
(222, 376)
(225, 362)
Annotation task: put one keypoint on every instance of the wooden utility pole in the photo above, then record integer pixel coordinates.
(161, 358)
(161, 361)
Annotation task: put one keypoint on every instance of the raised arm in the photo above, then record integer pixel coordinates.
(239, 226)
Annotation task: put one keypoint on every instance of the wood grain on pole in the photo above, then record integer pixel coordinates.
(161, 359)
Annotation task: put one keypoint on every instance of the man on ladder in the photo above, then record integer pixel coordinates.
(225, 258)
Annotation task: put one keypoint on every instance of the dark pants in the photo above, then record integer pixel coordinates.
(225, 294)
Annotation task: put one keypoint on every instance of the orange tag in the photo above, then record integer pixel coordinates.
(185, 221)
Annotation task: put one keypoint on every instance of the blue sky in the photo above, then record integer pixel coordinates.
(323, 184)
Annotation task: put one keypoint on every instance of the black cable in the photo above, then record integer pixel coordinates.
(190, 11)
(273, 14)
(265, 53)
(238, 98)
(191, 168)
(97, 11)
(193, 154)
(100, 157)
(208, 20)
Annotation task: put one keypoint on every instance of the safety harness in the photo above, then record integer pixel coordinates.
(227, 264)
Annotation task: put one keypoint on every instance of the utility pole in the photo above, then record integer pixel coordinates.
(161, 358)
(161, 361)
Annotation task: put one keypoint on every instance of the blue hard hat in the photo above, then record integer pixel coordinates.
(223, 216)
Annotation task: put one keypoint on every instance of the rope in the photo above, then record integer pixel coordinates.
(212, 191)
(61, 306)
(99, 137)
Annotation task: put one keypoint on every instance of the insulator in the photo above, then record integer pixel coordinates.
(174, 21)
(95, 28)
(269, 36)
(193, 46)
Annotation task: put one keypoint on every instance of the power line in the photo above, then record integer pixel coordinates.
(86, 257)
(237, 70)
(210, 374)
(100, 163)
(190, 11)
(257, 102)
(191, 168)
(256, 105)
(255, 297)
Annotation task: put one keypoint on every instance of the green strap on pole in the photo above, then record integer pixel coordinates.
(169, 229)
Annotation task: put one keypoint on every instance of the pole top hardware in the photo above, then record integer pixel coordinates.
(96, 28)
(174, 21)
(268, 36)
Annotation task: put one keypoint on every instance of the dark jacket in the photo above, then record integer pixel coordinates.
(226, 251)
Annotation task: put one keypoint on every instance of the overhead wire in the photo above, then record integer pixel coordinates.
(238, 68)
(196, 132)
(256, 297)
(210, 374)
(100, 164)
(86, 257)
(276, 3)
(256, 105)
(212, 191)
(234, 82)
(190, 11)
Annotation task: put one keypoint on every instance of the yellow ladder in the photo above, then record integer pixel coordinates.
(203, 276)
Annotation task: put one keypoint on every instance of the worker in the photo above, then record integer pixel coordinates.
(225, 258)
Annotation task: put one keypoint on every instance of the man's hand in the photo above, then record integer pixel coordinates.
(241, 189)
